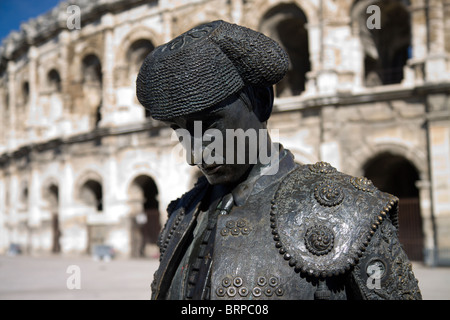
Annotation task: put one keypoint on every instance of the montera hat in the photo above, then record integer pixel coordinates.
(206, 65)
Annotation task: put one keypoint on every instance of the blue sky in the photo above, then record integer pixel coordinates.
(14, 12)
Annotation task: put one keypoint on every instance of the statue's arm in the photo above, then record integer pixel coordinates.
(384, 270)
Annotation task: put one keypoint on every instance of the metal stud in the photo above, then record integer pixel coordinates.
(243, 292)
(226, 282)
(256, 291)
(231, 291)
(220, 292)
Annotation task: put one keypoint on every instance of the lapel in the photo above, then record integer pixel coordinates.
(178, 230)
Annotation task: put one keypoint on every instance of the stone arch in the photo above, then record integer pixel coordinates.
(145, 216)
(52, 102)
(92, 86)
(416, 207)
(136, 54)
(76, 67)
(53, 80)
(286, 23)
(25, 90)
(122, 64)
(388, 171)
(89, 175)
(47, 184)
(91, 194)
(23, 196)
(364, 154)
(258, 9)
(91, 69)
(395, 174)
(50, 193)
(88, 190)
(386, 49)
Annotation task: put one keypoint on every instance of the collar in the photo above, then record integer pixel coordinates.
(263, 176)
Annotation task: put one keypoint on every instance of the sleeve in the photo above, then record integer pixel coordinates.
(384, 271)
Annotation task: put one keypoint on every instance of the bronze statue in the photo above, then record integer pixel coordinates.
(253, 229)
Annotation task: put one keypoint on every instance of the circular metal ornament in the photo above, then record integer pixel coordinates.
(322, 167)
(362, 183)
(328, 193)
(319, 240)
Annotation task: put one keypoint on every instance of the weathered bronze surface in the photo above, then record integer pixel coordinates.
(304, 232)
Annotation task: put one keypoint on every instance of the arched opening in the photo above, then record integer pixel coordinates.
(92, 86)
(54, 81)
(52, 197)
(53, 108)
(23, 200)
(91, 195)
(396, 175)
(25, 92)
(145, 222)
(285, 23)
(387, 47)
(135, 56)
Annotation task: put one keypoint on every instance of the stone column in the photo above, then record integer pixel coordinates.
(166, 19)
(3, 231)
(315, 47)
(65, 125)
(34, 212)
(447, 27)
(108, 110)
(428, 225)
(34, 196)
(236, 11)
(436, 62)
(12, 143)
(33, 95)
(66, 209)
(419, 30)
(3, 117)
(329, 145)
(419, 42)
(438, 127)
(115, 206)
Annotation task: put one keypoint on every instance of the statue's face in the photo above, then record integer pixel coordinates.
(222, 160)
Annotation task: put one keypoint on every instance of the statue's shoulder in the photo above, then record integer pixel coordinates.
(322, 219)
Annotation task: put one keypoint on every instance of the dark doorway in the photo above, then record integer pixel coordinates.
(135, 56)
(286, 23)
(53, 201)
(387, 48)
(396, 175)
(145, 222)
(91, 195)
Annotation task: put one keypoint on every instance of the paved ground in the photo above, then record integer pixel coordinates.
(42, 278)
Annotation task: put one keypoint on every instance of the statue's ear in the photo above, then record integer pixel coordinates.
(264, 99)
